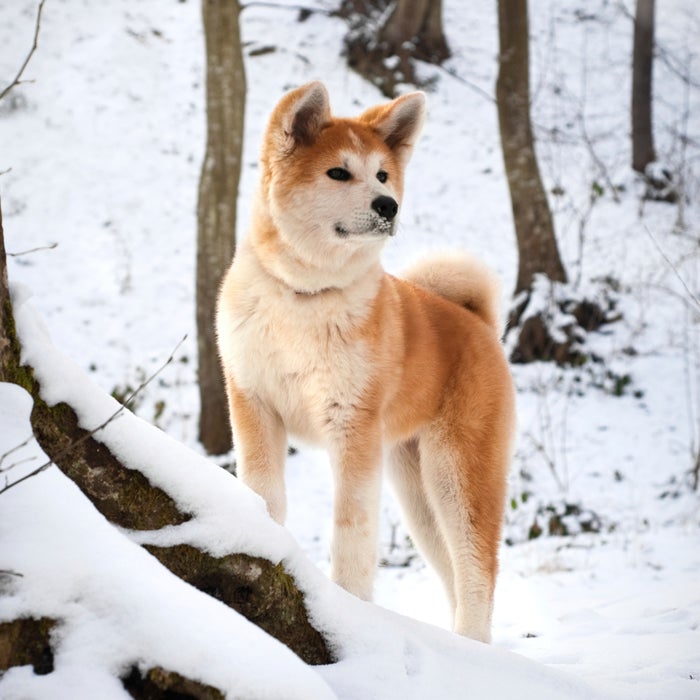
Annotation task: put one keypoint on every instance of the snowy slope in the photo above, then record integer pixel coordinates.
(118, 608)
(105, 147)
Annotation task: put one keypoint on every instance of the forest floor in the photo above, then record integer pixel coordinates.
(101, 155)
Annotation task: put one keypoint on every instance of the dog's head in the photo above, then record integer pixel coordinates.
(334, 184)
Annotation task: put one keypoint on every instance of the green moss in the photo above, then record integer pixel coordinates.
(12, 370)
(259, 590)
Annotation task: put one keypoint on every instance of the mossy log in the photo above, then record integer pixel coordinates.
(263, 593)
(257, 588)
(26, 642)
(159, 684)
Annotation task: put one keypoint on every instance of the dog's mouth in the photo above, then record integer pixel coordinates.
(370, 226)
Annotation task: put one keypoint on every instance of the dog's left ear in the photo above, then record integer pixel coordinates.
(300, 117)
(399, 123)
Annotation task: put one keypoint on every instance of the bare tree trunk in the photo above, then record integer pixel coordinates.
(417, 22)
(537, 246)
(413, 30)
(642, 62)
(216, 210)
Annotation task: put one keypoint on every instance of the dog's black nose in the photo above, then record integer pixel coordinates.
(386, 207)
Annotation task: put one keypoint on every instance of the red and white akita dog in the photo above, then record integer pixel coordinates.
(317, 341)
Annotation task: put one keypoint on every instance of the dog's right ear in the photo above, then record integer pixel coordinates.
(300, 116)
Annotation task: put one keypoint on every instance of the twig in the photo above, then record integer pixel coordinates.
(8, 485)
(602, 169)
(17, 80)
(669, 262)
(101, 426)
(472, 86)
(50, 246)
(5, 455)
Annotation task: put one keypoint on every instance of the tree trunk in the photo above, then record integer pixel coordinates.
(417, 23)
(385, 54)
(258, 589)
(642, 63)
(216, 210)
(537, 246)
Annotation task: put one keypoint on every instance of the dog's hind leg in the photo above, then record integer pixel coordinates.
(405, 474)
(465, 486)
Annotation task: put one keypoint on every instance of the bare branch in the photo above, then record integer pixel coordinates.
(8, 572)
(467, 83)
(10, 484)
(50, 246)
(691, 295)
(18, 77)
(5, 455)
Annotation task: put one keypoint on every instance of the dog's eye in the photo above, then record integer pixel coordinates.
(339, 174)
(382, 176)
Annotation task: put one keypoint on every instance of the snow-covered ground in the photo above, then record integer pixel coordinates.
(105, 147)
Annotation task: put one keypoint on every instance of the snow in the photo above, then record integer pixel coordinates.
(117, 606)
(124, 609)
(105, 147)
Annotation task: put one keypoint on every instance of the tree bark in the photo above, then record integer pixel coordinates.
(216, 210)
(27, 642)
(417, 23)
(643, 151)
(413, 30)
(537, 246)
(159, 684)
(258, 589)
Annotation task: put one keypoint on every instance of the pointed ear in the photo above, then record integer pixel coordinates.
(398, 123)
(300, 116)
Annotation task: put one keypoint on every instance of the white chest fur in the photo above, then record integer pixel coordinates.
(298, 353)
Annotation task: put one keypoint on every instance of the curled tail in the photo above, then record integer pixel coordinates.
(463, 280)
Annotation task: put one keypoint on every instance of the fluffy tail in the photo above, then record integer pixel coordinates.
(463, 280)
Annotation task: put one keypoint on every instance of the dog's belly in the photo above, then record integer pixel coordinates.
(308, 373)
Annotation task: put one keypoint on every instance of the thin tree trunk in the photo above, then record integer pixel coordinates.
(404, 22)
(384, 49)
(418, 22)
(642, 63)
(432, 43)
(216, 211)
(537, 246)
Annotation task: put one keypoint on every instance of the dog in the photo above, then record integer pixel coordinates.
(318, 341)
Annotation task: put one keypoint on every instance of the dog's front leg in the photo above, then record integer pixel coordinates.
(260, 440)
(357, 474)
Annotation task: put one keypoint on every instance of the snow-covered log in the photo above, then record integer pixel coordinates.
(122, 492)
